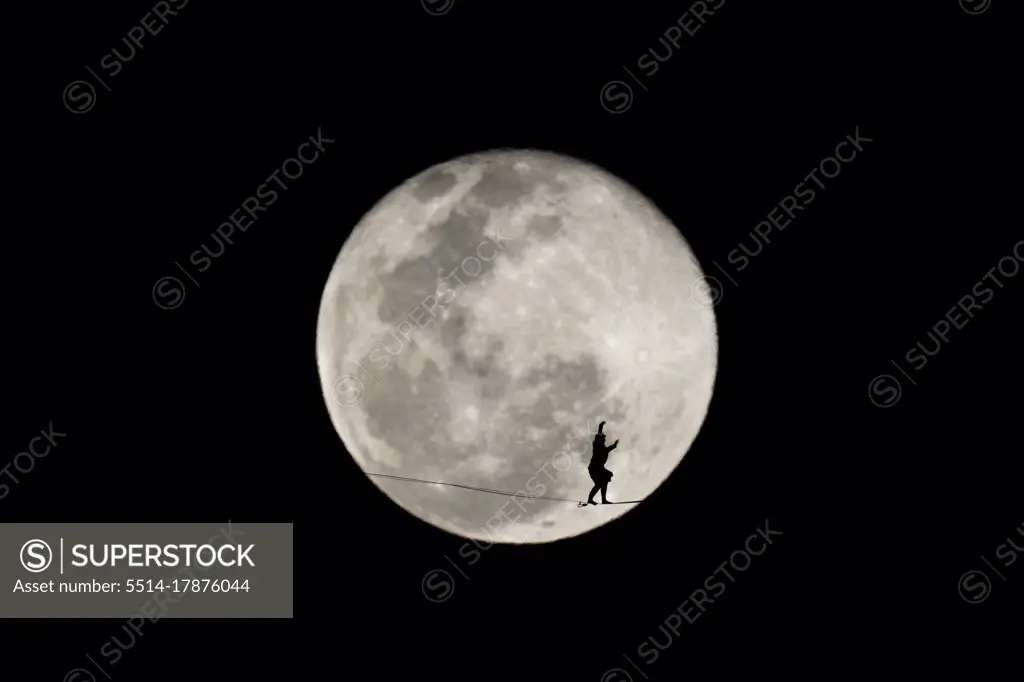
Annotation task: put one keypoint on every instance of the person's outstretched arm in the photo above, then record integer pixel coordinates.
(613, 445)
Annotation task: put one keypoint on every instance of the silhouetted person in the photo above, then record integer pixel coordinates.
(598, 473)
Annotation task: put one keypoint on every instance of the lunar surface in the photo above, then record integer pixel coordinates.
(486, 315)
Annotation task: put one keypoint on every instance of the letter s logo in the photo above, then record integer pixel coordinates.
(36, 556)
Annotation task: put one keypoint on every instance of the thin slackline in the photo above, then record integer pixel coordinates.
(457, 485)
(469, 487)
(485, 490)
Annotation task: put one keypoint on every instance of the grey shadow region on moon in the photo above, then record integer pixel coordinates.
(492, 310)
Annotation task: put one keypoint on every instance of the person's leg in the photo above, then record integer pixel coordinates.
(604, 493)
(593, 491)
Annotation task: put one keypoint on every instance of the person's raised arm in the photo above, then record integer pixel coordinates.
(613, 445)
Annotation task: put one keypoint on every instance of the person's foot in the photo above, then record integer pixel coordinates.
(605, 502)
(591, 502)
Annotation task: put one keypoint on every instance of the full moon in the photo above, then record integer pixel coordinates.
(482, 320)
